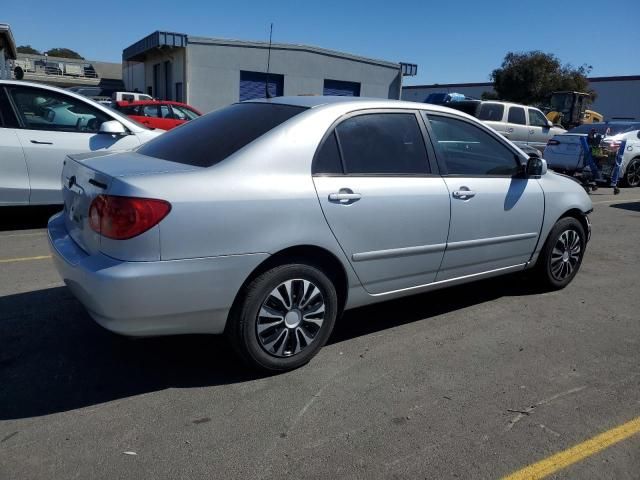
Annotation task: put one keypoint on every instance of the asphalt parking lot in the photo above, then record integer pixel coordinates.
(477, 381)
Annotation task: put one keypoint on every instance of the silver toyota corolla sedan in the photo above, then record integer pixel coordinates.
(265, 220)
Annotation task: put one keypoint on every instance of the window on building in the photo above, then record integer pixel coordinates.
(383, 143)
(179, 94)
(469, 150)
(341, 88)
(254, 85)
(516, 115)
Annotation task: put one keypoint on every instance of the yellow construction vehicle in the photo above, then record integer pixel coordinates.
(569, 109)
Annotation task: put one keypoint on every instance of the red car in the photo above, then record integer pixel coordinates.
(162, 114)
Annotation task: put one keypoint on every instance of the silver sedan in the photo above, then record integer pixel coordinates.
(265, 220)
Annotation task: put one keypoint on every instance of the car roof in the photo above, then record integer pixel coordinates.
(314, 101)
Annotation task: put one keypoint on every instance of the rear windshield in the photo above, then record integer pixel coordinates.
(212, 138)
(601, 128)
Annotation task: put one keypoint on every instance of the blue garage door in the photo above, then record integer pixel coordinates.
(342, 89)
(252, 85)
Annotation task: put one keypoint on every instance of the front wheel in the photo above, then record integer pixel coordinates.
(283, 317)
(562, 253)
(632, 174)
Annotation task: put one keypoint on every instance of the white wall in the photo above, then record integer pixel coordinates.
(616, 98)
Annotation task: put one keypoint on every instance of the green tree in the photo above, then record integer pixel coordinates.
(27, 49)
(64, 53)
(488, 95)
(531, 77)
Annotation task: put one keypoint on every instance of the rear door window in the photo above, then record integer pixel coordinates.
(516, 115)
(328, 161)
(383, 144)
(211, 138)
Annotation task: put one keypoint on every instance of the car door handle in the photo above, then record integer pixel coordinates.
(345, 196)
(37, 142)
(463, 194)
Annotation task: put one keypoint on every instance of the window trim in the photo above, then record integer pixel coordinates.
(440, 157)
(431, 163)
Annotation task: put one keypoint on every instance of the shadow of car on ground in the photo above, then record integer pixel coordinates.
(26, 218)
(54, 358)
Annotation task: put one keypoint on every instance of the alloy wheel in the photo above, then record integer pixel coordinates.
(566, 254)
(290, 318)
(633, 173)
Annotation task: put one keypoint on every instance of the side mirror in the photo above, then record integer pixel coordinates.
(638, 134)
(536, 167)
(112, 127)
(549, 124)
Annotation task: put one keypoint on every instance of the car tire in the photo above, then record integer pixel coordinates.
(283, 317)
(632, 173)
(562, 254)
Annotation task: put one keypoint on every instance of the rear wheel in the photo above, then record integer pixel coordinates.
(632, 174)
(284, 317)
(562, 253)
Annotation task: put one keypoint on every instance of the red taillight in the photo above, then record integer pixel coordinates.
(121, 218)
(553, 142)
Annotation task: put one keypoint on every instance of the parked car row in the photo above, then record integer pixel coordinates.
(161, 114)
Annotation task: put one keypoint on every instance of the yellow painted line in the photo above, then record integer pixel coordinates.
(24, 259)
(576, 453)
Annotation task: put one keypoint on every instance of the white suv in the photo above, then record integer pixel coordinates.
(40, 125)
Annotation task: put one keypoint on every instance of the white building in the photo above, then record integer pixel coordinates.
(209, 73)
(7, 50)
(617, 98)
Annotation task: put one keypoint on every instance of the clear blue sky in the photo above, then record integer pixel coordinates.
(458, 41)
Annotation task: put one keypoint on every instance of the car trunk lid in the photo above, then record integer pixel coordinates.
(86, 176)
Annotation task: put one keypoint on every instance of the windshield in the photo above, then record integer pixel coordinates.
(601, 128)
(209, 139)
(561, 102)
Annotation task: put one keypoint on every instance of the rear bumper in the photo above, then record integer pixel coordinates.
(151, 298)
